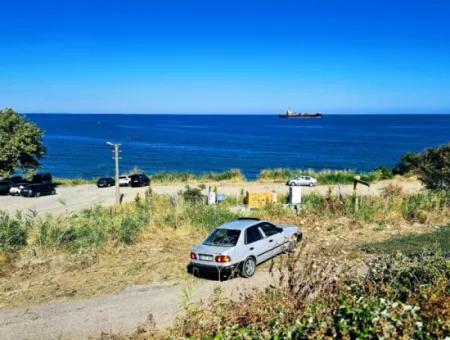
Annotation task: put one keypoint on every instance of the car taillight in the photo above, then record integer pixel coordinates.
(223, 258)
(193, 256)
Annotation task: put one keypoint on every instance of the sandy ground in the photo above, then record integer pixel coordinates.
(70, 199)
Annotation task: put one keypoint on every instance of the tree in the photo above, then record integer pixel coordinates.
(21, 144)
(408, 164)
(434, 168)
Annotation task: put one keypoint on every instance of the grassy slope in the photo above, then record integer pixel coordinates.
(102, 250)
(435, 240)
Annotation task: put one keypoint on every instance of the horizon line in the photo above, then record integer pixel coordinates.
(225, 114)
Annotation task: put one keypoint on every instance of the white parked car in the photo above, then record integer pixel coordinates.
(303, 180)
(239, 246)
(124, 181)
(16, 189)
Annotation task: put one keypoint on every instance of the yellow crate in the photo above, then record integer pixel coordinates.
(260, 199)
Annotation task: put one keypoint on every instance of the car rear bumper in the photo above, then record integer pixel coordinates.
(197, 268)
(26, 194)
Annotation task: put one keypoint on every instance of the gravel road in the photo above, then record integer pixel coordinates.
(70, 199)
(118, 313)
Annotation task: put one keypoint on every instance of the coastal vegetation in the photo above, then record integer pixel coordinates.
(96, 226)
(132, 238)
(432, 166)
(401, 296)
(21, 144)
(278, 175)
(324, 177)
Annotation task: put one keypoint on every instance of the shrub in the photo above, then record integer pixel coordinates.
(192, 195)
(409, 163)
(13, 231)
(382, 173)
(233, 174)
(397, 299)
(434, 168)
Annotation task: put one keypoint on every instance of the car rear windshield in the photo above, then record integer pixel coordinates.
(223, 238)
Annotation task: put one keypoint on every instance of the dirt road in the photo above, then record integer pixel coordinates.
(69, 199)
(118, 313)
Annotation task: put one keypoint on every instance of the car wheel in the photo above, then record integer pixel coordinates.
(248, 267)
(292, 244)
(311, 184)
(38, 194)
(53, 192)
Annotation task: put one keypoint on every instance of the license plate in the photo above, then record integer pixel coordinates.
(205, 257)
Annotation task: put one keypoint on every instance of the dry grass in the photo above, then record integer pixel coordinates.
(34, 278)
(160, 253)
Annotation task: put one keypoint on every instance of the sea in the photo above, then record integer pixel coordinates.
(77, 143)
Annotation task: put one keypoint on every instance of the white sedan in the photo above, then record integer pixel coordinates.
(124, 181)
(239, 246)
(303, 180)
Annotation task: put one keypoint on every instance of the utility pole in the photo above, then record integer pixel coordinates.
(116, 161)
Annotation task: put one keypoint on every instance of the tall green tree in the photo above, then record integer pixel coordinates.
(21, 144)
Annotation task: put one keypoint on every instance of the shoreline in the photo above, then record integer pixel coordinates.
(272, 175)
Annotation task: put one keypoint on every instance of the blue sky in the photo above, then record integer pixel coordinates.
(333, 56)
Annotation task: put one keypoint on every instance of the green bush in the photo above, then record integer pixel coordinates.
(92, 227)
(13, 231)
(192, 195)
(409, 163)
(434, 168)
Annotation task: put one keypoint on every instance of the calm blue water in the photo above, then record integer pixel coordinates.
(201, 143)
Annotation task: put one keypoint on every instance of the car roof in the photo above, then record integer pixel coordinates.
(240, 224)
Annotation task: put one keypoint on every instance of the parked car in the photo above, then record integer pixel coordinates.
(44, 178)
(239, 246)
(16, 179)
(16, 188)
(37, 190)
(303, 180)
(124, 181)
(5, 185)
(139, 180)
(105, 182)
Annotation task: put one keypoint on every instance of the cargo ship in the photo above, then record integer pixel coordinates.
(291, 114)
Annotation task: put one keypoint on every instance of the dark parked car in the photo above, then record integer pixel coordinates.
(5, 185)
(16, 179)
(139, 180)
(36, 190)
(105, 182)
(44, 178)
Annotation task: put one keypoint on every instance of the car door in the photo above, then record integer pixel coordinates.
(255, 244)
(275, 238)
